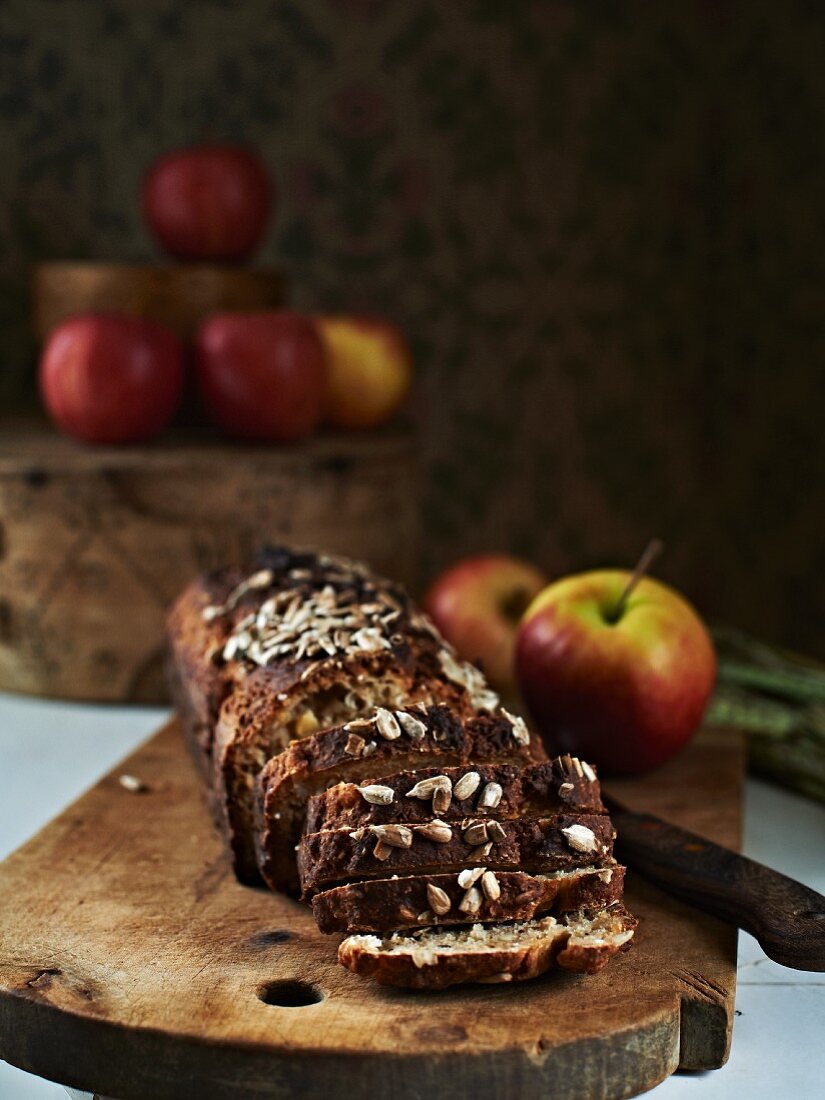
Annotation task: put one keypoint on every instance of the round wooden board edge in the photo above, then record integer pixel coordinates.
(109, 1060)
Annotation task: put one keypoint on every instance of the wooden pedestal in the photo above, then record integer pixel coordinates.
(94, 543)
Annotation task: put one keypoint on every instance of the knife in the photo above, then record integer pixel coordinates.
(786, 917)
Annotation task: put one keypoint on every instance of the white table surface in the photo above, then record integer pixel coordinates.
(50, 752)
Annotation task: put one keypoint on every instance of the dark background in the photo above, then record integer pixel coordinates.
(601, 224)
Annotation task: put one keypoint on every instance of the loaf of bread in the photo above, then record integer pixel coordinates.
(349, 754)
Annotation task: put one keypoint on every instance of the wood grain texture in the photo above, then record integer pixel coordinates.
(95, 542)
(133, 965)
(177, 296)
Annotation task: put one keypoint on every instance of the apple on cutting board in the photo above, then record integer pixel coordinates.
(621, 678)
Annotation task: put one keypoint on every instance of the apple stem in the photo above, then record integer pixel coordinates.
(649, 555)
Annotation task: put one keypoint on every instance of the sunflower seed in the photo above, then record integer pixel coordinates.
(521, 735)
(377, 795)
(369, 748)
(411, 725)
(397, 836)
(442, 797)
(354, 745)
(495, 831)
(476, 834)
(381, 850)
(588, 771)
(437, 831)
(132, 784)
(426, 788)
(482, 852)
(580, 838)
(439, 900)
(386, 724)
(467, 785)
(577, 764)
(565, 787)
(490, 797)
(490, 886)
(471, 902)
(469, 876)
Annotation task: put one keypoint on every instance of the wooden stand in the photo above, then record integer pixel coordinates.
(177, 297)
(132, 964)
(95, 542)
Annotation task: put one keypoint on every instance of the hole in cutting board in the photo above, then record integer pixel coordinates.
(271, 937)
(290, 994)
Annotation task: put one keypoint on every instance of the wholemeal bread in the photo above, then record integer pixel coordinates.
(359, 751)
(554, 785)
(436, 958)
(534, 844)
(297, 643)
(416, 901)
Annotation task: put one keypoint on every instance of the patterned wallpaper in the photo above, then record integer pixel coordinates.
(601, 223)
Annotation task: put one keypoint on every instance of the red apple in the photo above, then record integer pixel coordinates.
(370, 370)
(207, 202)
(624, 691)
(261, 375)
(477, 605)
(107, 378)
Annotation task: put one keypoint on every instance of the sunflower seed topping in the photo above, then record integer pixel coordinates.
(490, 797)
(482, 852)
(442, 797)
(426, 788)
(412, 726)
(396, 836)
(495, 831)
(471, 902)
(469, 876)
(577, 764)
(382, 850)
(490, 886)
(439, 900)
(565, 787)
(435, 830)
(467, 785)
(476, 834)
(521, 735)
(386, 724)
(468, 677)
(588, 771)
(580, 838)
(377, 795)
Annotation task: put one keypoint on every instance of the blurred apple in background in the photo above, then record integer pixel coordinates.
(108, 378)
(261, 375)
(624, 687)
(477, 605)
(207, 202)
(370, 370)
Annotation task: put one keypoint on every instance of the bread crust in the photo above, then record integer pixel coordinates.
(566, 945)
(535, 844)
(391, 904)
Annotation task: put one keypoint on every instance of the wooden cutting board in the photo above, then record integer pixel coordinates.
(133, 965)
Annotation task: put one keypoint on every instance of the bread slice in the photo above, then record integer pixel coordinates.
(391, 904)
(553, 785)
(534, 844)
(436, 958)
(433, 737)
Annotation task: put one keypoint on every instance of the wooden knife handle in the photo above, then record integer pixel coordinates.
(787, 918)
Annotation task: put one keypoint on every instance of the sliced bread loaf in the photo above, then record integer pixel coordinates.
(436, 958)
(391, 904)
(362, 751)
